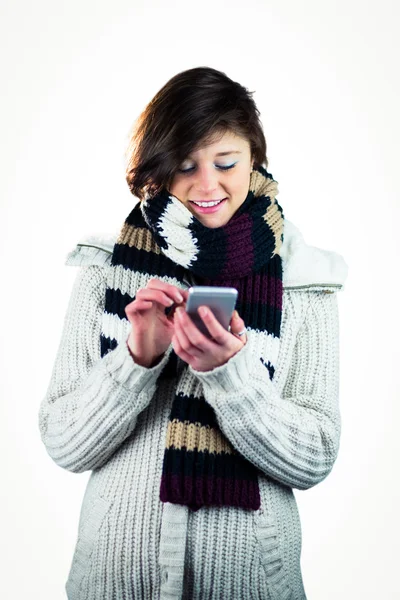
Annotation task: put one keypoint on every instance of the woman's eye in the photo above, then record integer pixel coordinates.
(221, 167)
(225, 167)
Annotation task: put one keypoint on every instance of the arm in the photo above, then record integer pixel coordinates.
(92, 403)
(293, 438)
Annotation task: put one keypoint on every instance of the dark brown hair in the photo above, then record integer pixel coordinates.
(191, 109)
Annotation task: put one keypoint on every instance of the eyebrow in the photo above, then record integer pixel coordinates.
(228, 152)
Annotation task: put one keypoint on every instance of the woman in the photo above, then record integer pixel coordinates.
(195, 444)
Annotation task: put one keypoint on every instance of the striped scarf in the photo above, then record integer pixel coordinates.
(161, 238)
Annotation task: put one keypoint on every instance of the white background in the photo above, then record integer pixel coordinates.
(75, 75)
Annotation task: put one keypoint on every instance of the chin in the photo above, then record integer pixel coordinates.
(213, 223)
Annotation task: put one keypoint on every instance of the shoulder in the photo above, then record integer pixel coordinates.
(90, 250)
(307, 267)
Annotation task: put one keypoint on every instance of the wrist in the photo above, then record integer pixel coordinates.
(142, 361)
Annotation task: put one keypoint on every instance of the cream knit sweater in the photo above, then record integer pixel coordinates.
(109, 415)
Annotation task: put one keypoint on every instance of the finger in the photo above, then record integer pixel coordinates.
(219, 334)
(195, 336)
(237, 326)
(171, 290)
(154, 296)
(242, 338)
(137, 307)
(185, 343)
(188, 358)
(185, 295)
(237, 323)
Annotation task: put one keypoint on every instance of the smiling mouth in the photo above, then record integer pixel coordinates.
(205, 207)
(207, 203)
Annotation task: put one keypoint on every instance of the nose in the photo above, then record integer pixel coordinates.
(206, 181)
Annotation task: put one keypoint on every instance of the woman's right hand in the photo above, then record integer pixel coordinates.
(152, 329)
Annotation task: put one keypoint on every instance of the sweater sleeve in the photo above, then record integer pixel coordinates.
(292, 437)
(92, 403)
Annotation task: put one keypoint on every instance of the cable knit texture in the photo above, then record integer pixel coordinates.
(110, 415)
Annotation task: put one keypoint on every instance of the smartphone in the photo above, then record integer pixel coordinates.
(220, 300)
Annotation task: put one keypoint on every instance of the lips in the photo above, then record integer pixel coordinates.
(206, 201)
(207, 209)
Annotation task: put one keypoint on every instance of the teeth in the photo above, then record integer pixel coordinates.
(208, 203)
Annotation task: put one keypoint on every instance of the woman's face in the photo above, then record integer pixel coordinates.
(217, 173)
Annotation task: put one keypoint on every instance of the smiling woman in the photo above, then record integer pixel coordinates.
(196, 442)
(184, 125)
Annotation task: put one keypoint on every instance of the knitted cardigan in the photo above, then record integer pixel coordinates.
(109, 415)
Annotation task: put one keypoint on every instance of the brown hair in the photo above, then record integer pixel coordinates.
(191, 109)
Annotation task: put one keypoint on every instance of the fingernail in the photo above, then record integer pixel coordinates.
(236, 314)
(178, 297)
(203, 311)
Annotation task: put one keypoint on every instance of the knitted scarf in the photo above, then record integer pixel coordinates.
(161, 238)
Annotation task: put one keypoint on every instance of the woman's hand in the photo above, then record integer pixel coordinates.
(199, 351)
(152, 329)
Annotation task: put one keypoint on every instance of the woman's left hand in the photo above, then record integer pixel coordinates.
(202, 353)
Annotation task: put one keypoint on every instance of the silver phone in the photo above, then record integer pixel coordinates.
(220, 300)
